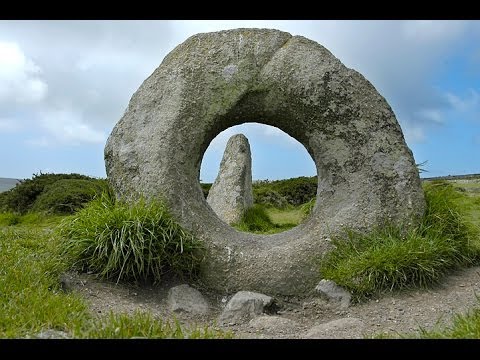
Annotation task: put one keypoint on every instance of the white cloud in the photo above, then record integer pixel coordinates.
(414, 134)
(431, 115)
(468, 103)
(9, 125)
(432, 30)
(20, 80)
(66, 127)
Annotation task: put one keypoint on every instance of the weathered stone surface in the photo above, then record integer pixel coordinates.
(346, 328)
(184, 298)
(52, 334)
(271, 323)
(243, 306)
(330, 290)
(231, 193)
(212, 81)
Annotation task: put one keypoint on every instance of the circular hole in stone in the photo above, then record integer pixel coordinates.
(284, 179)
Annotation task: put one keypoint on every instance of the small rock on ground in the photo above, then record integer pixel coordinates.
(184, 298)
(334, 293)
(243, 306)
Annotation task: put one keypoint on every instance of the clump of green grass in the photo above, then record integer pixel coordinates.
(137, 241)
(257, 220)
(389, 258)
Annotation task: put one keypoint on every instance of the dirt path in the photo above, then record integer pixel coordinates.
(397, 313)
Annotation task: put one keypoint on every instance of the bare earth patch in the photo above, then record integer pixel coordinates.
(395, 313)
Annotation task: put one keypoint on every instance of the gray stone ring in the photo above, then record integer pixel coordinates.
(212, 81)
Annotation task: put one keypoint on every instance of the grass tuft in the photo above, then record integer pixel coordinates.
(257, 220)
(388, 258)
(123, 241)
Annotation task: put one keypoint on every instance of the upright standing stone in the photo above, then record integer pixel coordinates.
(231, 193)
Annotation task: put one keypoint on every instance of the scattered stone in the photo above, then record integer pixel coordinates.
(351, 328)
(216, 80)
(273, 323)
(334, 293)
(69, 282)
(184, 298)
(231, 193)
(245, 305)
(52, 334)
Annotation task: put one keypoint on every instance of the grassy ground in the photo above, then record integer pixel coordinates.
(470, 203)
(31, 262)
(289, 216)
(31, 299)
(464, 326)
(269, 220)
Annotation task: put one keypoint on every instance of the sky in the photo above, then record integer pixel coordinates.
(65, 84)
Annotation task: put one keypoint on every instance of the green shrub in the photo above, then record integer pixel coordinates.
(22, 197)
(279, 193)
(68, 195)
(443, 215)
(295, 191)
(3, 201)
(9, 219)
(388, 258)
(270, 197)
(129, 241)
